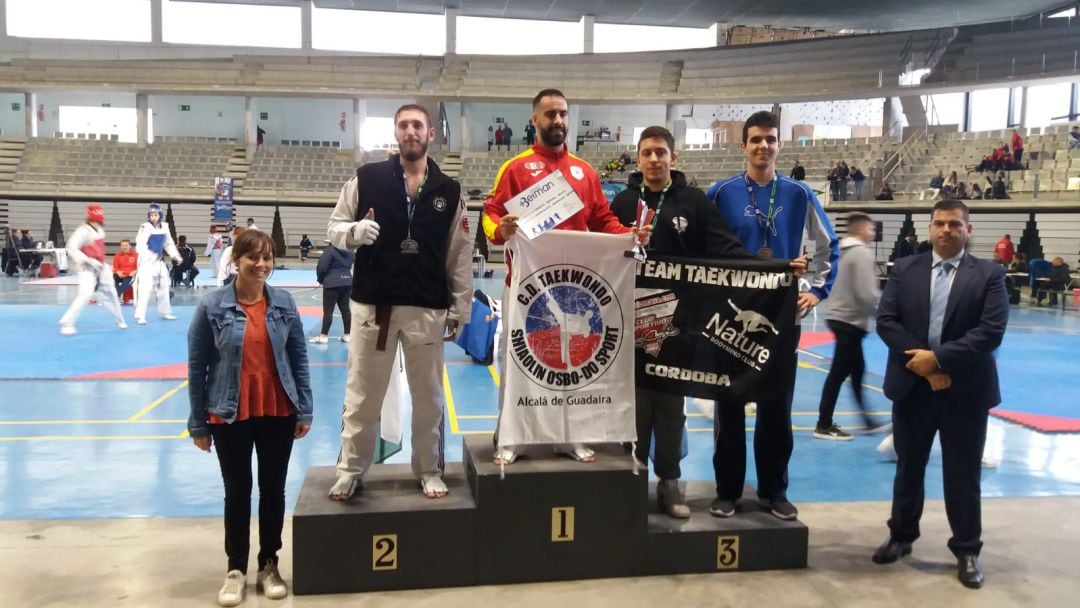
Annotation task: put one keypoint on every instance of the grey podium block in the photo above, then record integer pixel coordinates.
(348, 547)
(752, 539)
(525, 530)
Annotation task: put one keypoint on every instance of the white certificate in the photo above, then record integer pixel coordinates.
(544, 205)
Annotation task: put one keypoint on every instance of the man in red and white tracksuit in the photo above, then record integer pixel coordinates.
(548, 154)
(86, 250)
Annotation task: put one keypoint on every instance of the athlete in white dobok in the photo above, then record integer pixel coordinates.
(153, 243)
(86, 250)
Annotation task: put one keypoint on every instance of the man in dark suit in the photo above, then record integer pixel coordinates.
(942, 315)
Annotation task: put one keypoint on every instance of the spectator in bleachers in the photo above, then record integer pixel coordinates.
(490, 137)
(998, 187)
(530, 133)
(214, 247)
(798, 172)
(986, 164)
(124, 264)
(934, 190)
(260, 136)
(305, 247)
(834, 182)
(858, 178)
(508, 136)
(499, 137)
(842, 174)
(251, 224)
(1001, 155)
(949, 187)
(1017, 147)
(976, 191)
(962, 191)
(1074, 137)
(1058, 279)
(886, 193)
(185, 271)
(626, 159)
(908, 246)
(1005, 249)
(334, 273)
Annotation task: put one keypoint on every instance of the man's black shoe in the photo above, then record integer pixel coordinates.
(722, 507)
(891, 551)
(782, 509)
(969, 572)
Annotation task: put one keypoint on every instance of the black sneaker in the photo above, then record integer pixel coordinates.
(722, 507)
(833, 432)
(782, 509)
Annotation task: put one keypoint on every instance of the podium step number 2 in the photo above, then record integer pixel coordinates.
(384, 552)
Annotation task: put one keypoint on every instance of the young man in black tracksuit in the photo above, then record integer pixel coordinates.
(686, 225)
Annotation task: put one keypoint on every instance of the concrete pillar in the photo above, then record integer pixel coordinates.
(588, 25)
(465, 136)
(1023, 118)
(722, 32)
(965, 125)
(306, 7)
(451, 31)
(3, 18)
(142, 107)
(155, 21)
(30, 113)
(250, 127)
(359, 112)
(573, 123)
(677, 126)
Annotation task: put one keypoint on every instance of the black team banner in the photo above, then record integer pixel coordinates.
(715, 328)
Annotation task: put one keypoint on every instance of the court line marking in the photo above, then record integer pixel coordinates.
(53, 422)
(157, 402)
(450, 409)
(87, 437)
(825, 371)
(494, 375)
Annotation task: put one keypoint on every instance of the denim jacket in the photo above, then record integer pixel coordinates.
(215, 347)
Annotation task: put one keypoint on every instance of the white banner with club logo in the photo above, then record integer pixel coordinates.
(569, 373)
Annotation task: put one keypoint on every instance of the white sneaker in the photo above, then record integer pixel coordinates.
(750, 409)
(234, 589)
(886, 448)
(169, 317)
(318, 340)
(344, 338)
(121, 325)
(269, 582)
(67, 330)
(141, 321)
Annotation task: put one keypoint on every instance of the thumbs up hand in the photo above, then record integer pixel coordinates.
(366, 230)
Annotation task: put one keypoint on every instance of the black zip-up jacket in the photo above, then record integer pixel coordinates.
(381, 273)
(687, 225)
(335, 267)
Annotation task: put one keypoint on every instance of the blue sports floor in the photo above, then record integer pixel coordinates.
(93, 426)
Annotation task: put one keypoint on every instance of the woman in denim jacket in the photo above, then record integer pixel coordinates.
(249, 388)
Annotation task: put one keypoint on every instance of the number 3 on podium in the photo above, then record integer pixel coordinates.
(727, 553)
(384, 552)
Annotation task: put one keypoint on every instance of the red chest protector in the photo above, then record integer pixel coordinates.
(95, 250)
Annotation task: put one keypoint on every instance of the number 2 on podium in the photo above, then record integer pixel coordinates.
(384, 552)
(727, 553)
(562, 524)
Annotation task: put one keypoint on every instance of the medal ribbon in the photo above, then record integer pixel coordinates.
(765, 220)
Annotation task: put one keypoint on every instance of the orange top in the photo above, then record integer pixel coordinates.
(261, 392)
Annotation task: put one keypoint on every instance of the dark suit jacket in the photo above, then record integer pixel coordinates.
(975, 319)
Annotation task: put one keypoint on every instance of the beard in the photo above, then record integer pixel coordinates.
(553, 137)
(411, 153)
